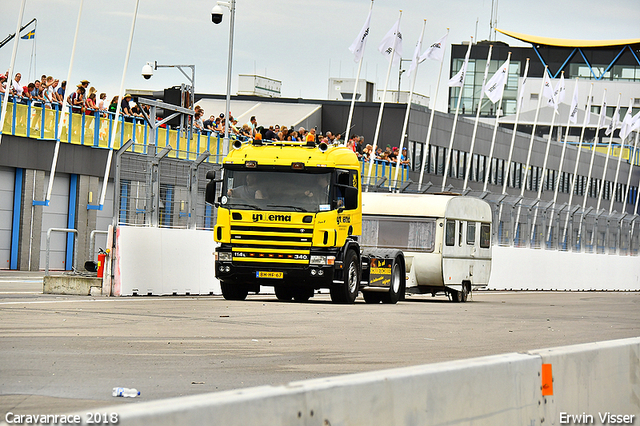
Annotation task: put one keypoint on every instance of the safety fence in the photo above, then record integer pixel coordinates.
(534, 224)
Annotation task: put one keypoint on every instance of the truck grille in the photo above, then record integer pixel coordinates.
(271, 244)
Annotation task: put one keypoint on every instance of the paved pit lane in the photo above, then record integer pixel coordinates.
(65, 353)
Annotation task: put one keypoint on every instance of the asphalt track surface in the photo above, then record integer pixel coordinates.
(60, 354)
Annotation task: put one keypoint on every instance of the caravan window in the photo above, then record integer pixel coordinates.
(450, 233)
(485, 235)
(414, 234)
(471, 233)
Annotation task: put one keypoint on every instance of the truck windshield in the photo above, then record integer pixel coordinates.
(275, 190)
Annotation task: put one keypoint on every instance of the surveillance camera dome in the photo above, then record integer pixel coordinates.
(147, 71)
(216, 14)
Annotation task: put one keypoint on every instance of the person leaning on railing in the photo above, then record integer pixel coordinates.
(76, 100)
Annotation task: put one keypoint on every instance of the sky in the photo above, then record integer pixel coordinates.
(301, 43)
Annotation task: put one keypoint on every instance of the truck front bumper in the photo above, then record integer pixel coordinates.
(316, 276)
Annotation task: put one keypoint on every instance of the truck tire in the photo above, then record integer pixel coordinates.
(396, 288)
(234, 291)
(347, 291)
(284, 294)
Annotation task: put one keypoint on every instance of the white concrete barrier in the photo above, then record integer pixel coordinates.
(595, 380)
(534, 269)
(161, 261)
(591, 379)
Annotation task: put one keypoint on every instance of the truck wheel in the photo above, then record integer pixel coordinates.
(347, 291)
(234, 291)
(284, 294)
(302, 294)
(372, 296)
(397, 284)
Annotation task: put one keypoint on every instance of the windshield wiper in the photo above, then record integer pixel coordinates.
(296, 208)
(251, 206)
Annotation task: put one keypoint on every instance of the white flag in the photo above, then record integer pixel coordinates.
(560, 90)
(495, 86)
(603, 111)
(357, 47)
(635, 122)
(415, 60)
(547, 91)
(458, 79)
(386, 47)
(626, 122)
(615, 121)
(436, 50)
(587, 116)
(573, 111)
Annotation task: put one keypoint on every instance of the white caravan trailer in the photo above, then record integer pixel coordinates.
(446, 239)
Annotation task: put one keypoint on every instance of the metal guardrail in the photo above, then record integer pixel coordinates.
(75, 246)
(92, 238)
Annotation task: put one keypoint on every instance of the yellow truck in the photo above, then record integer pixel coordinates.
(289, 215)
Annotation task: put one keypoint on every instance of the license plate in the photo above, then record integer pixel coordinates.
(268, 274)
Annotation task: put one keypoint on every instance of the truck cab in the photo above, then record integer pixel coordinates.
(288, 216)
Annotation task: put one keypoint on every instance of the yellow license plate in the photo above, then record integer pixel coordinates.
(268, 274)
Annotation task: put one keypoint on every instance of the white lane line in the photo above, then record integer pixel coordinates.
(18, 280)
(110, 299)
(21, 292)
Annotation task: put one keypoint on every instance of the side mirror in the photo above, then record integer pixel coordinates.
(210, 192)
(212, 187)
(351, 198)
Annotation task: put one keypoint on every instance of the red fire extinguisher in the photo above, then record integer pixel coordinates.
(102, 257)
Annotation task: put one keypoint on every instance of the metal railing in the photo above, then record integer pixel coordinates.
(75, 247)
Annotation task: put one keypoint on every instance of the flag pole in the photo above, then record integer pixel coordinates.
(603, 115)
(575, 169)
(384, 96)
(495, 128)
(632, 161)
(115, 127)
(515, 129)
(63, 110)
(528, 164)
(606, 160)
(455, 121)
(615, 180)
(406, 114)
(355, 90)
(475, 126)
(556, 185)
(10, 77)
(425, 150)
(546, 158)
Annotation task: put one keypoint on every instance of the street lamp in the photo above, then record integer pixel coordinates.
(147, 73)
(216, 18)
(149, 67)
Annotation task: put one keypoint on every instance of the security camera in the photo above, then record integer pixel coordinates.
(147, 71)
(216, 14)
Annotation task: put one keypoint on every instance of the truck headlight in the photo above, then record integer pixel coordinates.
(224, 256)
(322, 260)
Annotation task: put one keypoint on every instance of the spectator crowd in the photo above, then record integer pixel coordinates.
(50, 93)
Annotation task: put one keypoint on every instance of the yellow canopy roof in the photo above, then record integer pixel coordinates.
(548, 41)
